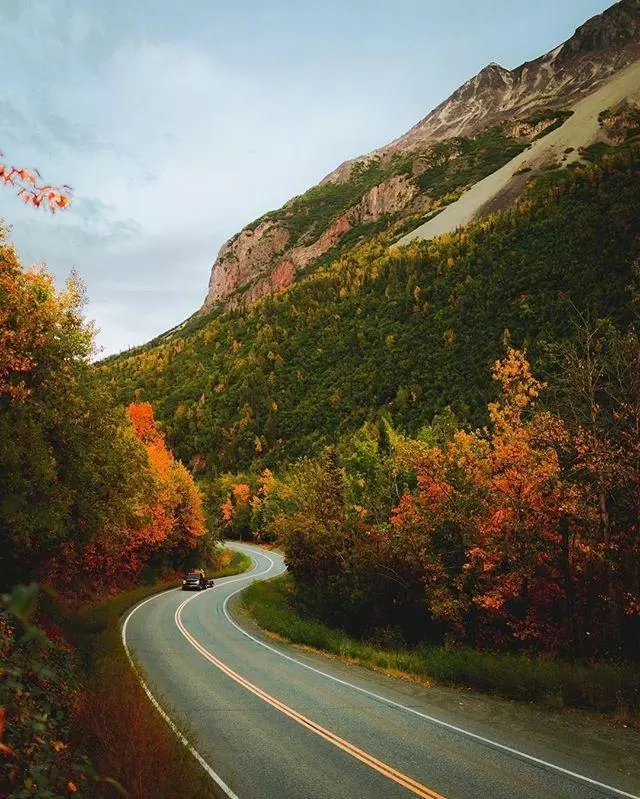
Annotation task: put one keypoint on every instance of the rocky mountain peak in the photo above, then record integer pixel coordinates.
(601, 46)
(493, 76)
(614, 28)
(492, 69)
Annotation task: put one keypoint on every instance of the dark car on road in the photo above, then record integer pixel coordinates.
(196, 581)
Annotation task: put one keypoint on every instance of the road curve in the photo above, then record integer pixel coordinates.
(274, 722)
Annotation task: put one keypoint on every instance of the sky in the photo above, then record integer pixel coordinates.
(177, 122)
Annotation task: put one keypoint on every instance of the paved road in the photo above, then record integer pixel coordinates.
(275, 722)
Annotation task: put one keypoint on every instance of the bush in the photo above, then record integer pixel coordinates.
(39, 690)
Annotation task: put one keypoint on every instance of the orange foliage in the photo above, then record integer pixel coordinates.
(227, 510)
(506, 493)
(137, 511)
(143, 421)
(238, 499)
(29, 311)
(168, 523)
(241, 492)
(176, 514)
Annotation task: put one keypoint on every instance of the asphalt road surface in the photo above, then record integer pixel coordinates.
(277, 722)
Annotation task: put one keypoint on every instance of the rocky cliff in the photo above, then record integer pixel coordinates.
(398, 180)
(258, 261)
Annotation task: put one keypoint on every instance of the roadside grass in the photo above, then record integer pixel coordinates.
(128, 741)
(232, 562)
(604, 688)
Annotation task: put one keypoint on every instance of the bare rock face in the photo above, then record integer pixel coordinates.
(260, 260)
(614, 28)
(303, 256)
(243, 257)
(526, 130)
(390, 197)
(278, 280)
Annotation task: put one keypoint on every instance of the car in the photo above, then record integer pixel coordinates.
(196, 581)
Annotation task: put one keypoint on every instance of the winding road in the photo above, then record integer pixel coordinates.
(278, 722)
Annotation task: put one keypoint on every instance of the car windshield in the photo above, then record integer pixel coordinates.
(192, 574)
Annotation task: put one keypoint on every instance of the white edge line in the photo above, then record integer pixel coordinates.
(538, 761)
(214, 776)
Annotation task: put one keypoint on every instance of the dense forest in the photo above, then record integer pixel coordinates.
(520, 537)
(82, 481)
(442, 436)
(411, 331)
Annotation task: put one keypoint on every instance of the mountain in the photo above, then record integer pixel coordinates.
(598, 49)
(353, 417)
(482, 128)
(552, 233)
(408, 332)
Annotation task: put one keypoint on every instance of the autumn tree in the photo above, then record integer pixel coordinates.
(236, 507)
(492, 541)
(60, 479)
(598, 392)
(177, 518)
(86, 491)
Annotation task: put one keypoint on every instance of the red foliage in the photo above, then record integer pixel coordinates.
(32, 189)
(506, 496)
(168, 522)
(175, 516)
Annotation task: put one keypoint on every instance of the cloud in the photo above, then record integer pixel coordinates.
(171, 144)
(178, 123)
(170, 150)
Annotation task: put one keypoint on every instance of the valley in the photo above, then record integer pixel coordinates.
(411, 395)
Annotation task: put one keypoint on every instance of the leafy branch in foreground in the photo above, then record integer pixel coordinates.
(33, 190)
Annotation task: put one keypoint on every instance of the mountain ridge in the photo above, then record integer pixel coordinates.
(564, 146)
(618, 26)
(408, 332)
(403, 180)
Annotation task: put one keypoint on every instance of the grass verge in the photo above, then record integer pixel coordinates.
(232, 562)
(605, 688)
(128, 741)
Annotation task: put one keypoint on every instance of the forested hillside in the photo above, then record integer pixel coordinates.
(411, 331)
(520, 537)
(354, 419)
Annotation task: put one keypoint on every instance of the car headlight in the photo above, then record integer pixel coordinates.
(184, 582)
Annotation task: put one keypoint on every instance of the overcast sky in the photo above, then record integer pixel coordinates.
(179, 121)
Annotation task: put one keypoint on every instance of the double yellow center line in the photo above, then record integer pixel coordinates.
(364, 757)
